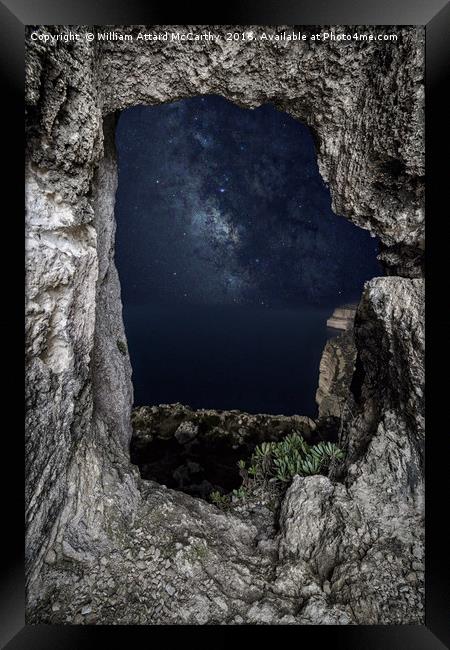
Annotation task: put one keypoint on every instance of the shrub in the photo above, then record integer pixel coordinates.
(283, 460)
(279, 462)
(240, 493)
(222, 501)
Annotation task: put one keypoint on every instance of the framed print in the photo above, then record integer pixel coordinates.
(225, 324)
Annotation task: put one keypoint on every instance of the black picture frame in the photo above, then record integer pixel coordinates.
(435, 16)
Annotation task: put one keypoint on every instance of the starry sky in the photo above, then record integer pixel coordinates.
(219, 205)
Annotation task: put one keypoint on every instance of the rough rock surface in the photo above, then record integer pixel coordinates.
(236, 427)
(197, 451)
(102, 545)
(342, 318)
(335, 375)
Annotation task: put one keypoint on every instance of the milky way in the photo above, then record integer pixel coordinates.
(222, 205)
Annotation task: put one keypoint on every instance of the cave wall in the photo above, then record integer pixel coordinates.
(85, 503)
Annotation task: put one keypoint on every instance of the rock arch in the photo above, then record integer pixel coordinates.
(88, 513)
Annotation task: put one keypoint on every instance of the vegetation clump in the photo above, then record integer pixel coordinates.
(222, 501)
(122, 347)
(279, 462)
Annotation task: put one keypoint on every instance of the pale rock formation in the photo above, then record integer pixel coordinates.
(342, 317)
(336, 368)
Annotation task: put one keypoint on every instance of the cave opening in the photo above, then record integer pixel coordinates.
(231, 263)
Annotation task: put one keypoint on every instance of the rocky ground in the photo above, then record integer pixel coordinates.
(323, 550)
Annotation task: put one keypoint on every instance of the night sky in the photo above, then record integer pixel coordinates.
(219, 204)
(225, 246)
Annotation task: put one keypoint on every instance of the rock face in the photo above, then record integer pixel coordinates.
(235, 427)
(102, 545)
(342, 318)
(336, 368)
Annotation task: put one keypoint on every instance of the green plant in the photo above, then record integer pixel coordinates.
(294, 456)
(222, 501)
(282, 460)
(260, 467)
(240, 493)
(200, 551)
(243, 473)
(122, 347)
(279, 462)
(327, 451)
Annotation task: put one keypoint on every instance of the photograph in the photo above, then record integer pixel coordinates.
(224, 325)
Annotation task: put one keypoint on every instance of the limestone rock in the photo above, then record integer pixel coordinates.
(335, 375)
(363, 535)
(342, 317)
(235, 427)
(116, 541)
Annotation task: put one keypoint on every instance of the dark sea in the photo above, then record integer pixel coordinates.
(258, 360)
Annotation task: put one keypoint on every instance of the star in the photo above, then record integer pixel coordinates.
(217, 243)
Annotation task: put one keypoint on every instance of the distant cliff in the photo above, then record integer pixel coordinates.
(342, 318)
(335, 374)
